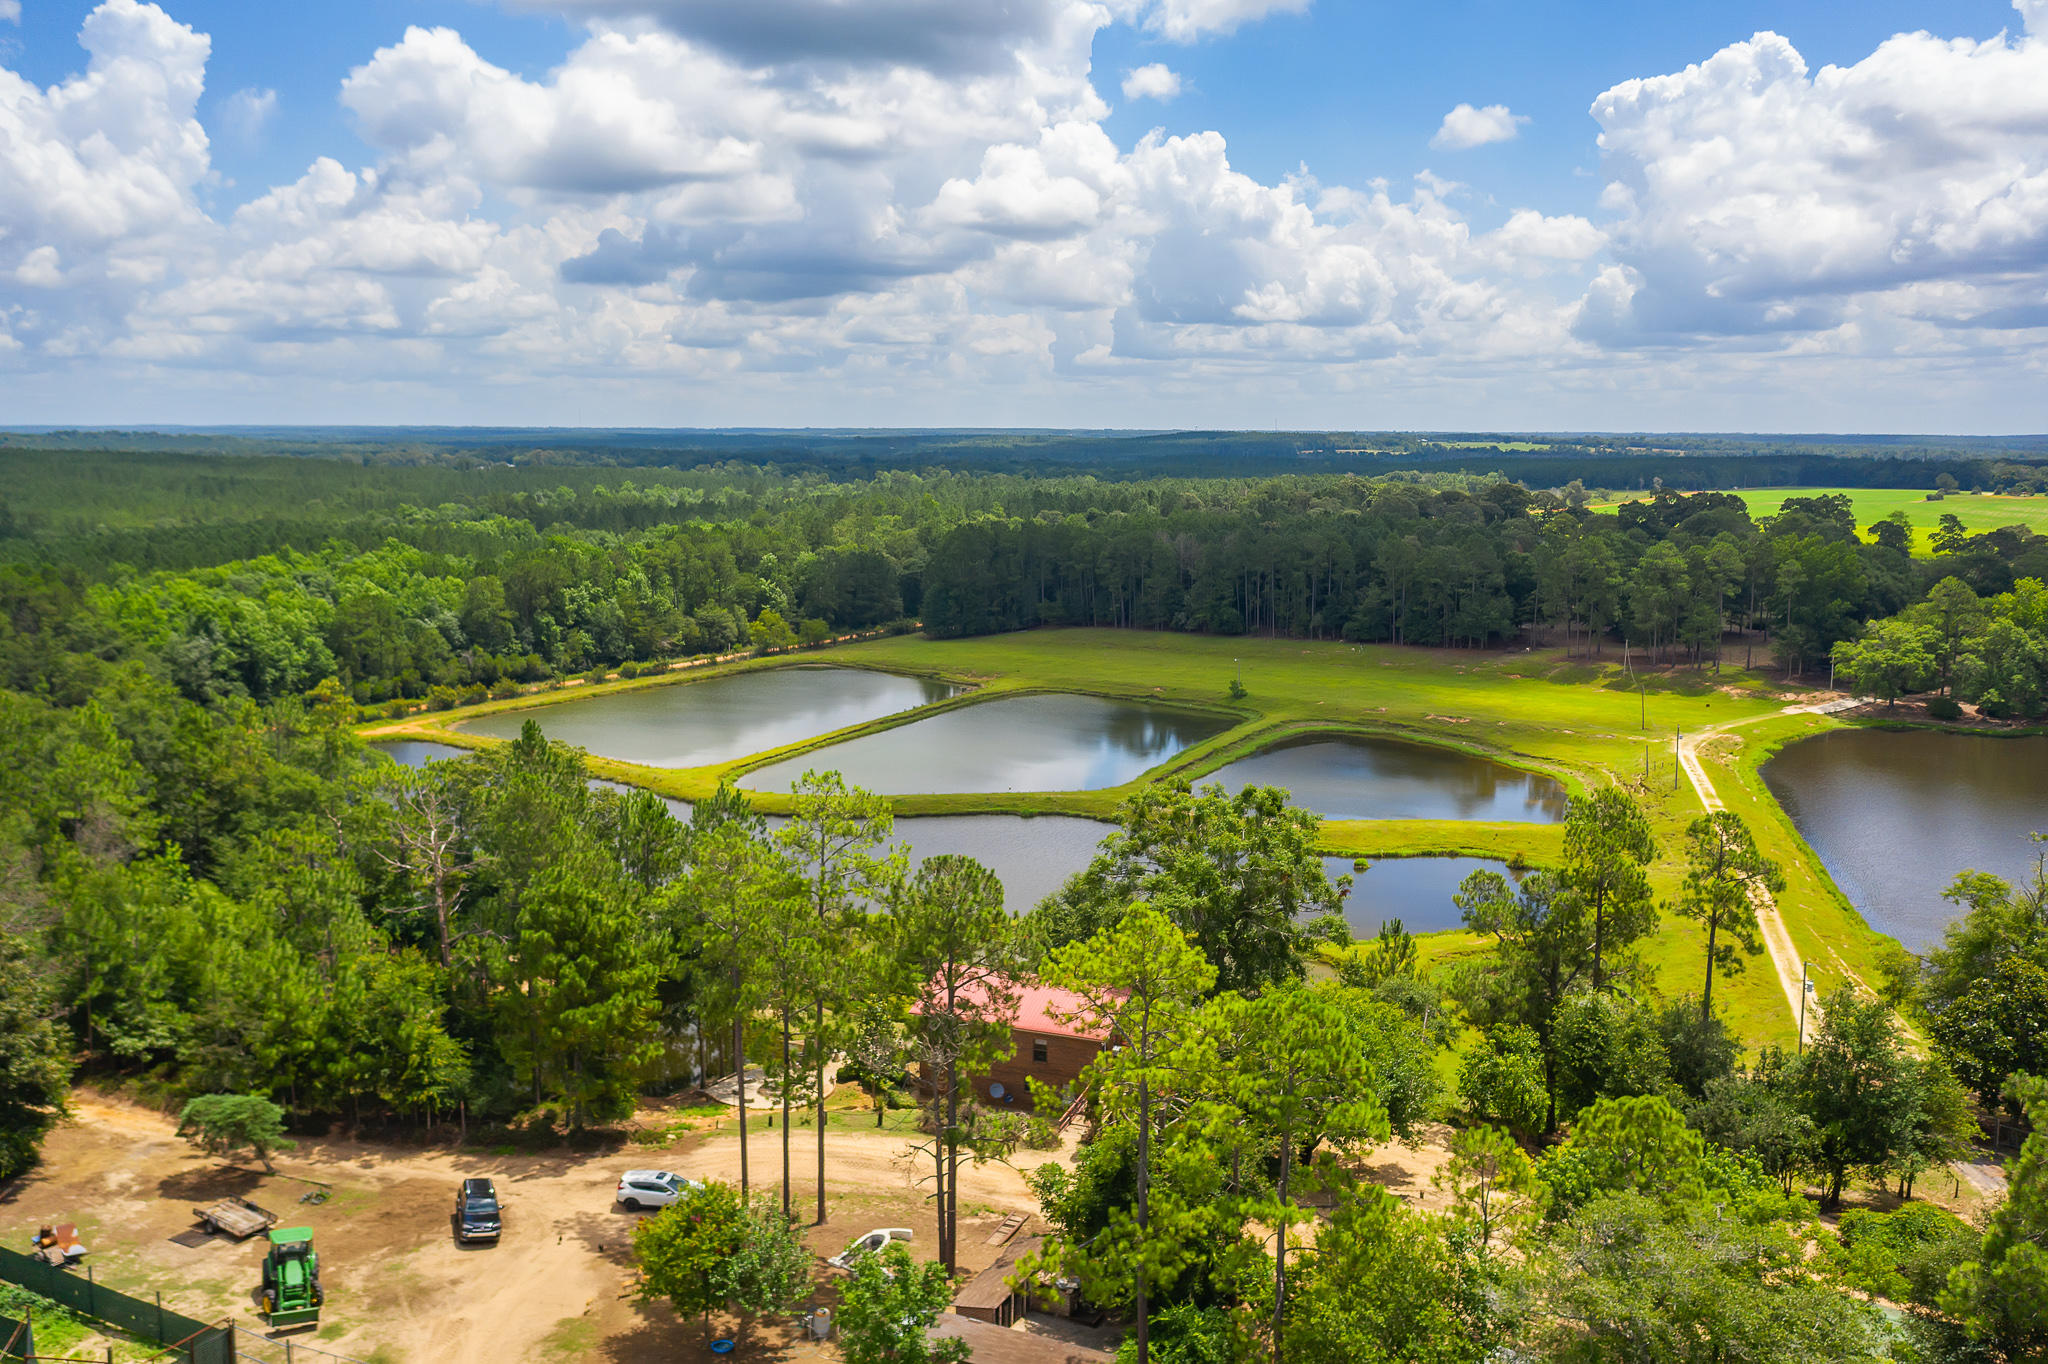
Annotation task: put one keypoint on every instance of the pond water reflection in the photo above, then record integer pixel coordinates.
(1356, 777)
(1895, 814)
(691, 724)
(1029, 743)
(1415, 890)
(415, 752)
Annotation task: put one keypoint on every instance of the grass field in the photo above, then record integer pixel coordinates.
(1576, 719)
(1977, 511)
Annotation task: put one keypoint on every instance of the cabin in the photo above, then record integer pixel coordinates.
(1045, 1048)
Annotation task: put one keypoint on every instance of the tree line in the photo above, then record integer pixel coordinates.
(461, 602)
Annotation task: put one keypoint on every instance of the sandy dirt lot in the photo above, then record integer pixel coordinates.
(558, 1286)
(399, 1287)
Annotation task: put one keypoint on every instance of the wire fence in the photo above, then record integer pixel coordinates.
(253, 1345)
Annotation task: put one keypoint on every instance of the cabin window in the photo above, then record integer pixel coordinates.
(1039, 1053)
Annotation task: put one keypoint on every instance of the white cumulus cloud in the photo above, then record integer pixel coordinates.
(1155, 80)
(707, 214)
(10, 11)
(1466, 126)
(247, 113)
(1756, 195)
(1184, 21)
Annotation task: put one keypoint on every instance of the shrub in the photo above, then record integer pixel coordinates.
(505, 690)
(1944, 708)
(443, 698)
(1904, 1255)
(1501, 1080)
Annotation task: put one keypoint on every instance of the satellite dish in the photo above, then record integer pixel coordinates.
(995, 1091)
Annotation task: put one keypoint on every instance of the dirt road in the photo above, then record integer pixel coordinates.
(1784, 956)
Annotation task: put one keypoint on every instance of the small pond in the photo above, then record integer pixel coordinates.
(1034, 856)
(1895, 814)
(1415, 890)
(691, 724)
(1356, 777)
(416, 752)
(1030, 743)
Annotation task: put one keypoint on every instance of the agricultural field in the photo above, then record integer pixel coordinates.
(1574, 718)
(1977, 511)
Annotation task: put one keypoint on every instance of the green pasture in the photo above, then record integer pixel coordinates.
(1977, 511)
(1578, 719)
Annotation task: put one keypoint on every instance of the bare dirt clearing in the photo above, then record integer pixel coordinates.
(558, 1287)
(399, 1287)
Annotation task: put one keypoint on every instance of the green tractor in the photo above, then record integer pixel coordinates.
(291, 1279)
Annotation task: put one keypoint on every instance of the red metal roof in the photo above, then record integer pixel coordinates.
(1037, 1005)
(1035, 1009)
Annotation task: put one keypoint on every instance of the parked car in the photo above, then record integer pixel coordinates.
(869, 1244)
(653, 1188)
(477, 1215)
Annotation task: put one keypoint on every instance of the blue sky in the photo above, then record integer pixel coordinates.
(1788, 215)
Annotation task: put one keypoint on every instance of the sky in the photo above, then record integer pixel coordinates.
(1753, 215)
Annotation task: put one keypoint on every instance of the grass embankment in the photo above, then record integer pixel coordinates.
(1577, 720)
(1977, 511)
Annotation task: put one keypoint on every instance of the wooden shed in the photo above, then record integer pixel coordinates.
(988, 1297)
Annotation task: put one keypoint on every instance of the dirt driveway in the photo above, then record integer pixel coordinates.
(558, 1287)
(399, 1288)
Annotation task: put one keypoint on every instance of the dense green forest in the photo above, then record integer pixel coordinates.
(260, 577)
(212, 887)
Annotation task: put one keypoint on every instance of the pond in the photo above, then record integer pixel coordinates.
(416, 752)
(691, 724)
(1030, 743)
(1355, 777)
(1415, 890)
(1033, 855)
(1895, 814)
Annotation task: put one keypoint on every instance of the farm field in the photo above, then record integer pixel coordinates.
(1977, 511)
(1576, 719)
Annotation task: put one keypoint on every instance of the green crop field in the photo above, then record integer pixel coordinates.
(1577, 719)
(1977, 511)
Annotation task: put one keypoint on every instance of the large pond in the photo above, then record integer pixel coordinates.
(1351, 777)
(1030, 743)
(1895, 814)
(691, 724)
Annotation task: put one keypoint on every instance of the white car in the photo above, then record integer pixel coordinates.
(868, 1245)
(653, 1188)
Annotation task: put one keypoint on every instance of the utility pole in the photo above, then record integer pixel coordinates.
(1805, 989)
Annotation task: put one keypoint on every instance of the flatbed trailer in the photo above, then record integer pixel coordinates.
(236, 1217)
